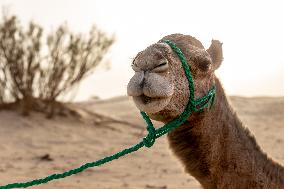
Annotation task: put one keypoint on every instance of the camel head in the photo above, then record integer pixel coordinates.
(159, 86)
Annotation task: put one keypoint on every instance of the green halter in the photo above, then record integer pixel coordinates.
(192, 105)
(149, 140)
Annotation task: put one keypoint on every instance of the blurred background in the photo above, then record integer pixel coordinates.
(64, 69)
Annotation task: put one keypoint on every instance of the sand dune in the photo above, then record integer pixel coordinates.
(34, 147)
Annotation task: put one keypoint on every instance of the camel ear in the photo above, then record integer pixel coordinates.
(216, 53)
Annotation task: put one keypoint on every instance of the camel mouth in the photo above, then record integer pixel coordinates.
(151, 104)
(147, 99)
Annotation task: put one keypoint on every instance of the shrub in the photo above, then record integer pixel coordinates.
(35, 69)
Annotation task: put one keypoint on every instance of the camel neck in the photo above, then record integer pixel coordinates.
(218, 151)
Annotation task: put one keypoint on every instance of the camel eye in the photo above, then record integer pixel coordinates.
(163, 66)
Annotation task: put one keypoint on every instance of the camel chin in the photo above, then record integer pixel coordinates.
(151, 105)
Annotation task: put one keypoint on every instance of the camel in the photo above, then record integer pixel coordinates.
(213, 145)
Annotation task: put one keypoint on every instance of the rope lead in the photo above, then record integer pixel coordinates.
(153, 133)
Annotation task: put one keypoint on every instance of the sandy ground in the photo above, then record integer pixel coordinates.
(34, 147)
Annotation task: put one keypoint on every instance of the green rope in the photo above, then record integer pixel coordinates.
(153, 134)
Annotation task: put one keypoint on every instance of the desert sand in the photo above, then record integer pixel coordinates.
(33, 147)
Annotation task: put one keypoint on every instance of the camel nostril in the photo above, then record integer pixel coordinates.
(141, 84)
(142, 79)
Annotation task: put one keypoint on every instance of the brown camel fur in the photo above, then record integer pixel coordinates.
(213, 145)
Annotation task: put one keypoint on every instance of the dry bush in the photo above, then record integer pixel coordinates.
(35, 69)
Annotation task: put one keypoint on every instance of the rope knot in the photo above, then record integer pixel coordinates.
(149, 140)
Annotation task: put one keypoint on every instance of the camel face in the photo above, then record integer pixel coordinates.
(159, 86)
(152, 85)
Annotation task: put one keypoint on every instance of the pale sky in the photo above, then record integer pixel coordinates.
(252, 33)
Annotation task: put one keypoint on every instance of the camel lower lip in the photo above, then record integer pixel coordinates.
(151, 104)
